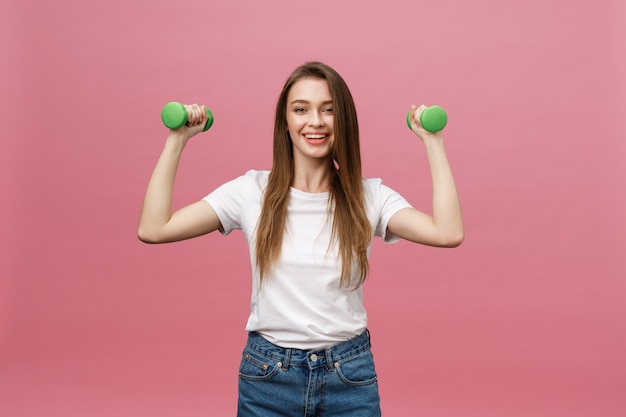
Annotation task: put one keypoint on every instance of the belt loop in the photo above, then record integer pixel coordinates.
(287, 358)
(329, 359)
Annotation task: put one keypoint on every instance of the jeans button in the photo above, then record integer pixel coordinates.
(313, 357)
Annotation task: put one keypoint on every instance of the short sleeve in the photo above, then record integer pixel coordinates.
(231, 200)
(382, 203)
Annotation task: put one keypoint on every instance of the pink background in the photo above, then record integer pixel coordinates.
(526, 318)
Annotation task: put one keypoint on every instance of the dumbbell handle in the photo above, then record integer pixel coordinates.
(432, 119)
(174, 116)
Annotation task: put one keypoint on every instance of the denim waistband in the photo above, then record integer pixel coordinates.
(312, 358)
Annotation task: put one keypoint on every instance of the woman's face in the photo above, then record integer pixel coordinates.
(310, 119)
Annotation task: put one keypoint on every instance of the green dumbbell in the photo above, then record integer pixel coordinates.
(432, 119)
(174, 115)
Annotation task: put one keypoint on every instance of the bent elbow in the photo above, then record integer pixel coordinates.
(455, 243)
(144, 238)
(147, 237)
(453, 240)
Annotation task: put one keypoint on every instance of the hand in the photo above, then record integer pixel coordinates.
(196, 120)
(417, 128)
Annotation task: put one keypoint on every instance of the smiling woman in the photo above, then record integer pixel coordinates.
(523, 320)
(314, 168)
(310, 127)
(309, 223)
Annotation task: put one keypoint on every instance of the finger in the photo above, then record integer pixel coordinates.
(197, 117)
(193, 115)
(414, 116)
(417, 113)
(203, 115)
(189, 108)
(200, 114)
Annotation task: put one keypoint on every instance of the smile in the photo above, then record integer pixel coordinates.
(316, 136)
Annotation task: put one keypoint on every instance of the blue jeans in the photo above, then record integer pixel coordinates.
(336, 381)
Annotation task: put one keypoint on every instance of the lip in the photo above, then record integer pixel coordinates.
(325, 136)
(316, 141)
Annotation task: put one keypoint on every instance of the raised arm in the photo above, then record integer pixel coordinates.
(157, 223)
(445, 226)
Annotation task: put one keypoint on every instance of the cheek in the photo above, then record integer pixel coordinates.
(290, 124)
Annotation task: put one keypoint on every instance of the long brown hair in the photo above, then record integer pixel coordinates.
(350, 226)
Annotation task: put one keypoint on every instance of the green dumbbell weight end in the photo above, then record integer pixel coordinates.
(432, 119)
(174, 116)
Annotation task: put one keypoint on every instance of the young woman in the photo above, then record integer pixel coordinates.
(309, 223)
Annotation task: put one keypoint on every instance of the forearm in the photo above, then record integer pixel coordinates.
(447, 216)
(157, 205)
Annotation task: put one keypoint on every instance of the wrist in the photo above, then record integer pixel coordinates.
(433, 141)
(180, 135)
(176, 141)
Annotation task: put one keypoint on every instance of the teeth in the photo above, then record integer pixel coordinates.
(315, 136)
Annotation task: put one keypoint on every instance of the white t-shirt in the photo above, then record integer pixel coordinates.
(301, 304)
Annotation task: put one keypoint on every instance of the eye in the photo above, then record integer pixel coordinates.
(328, 110)
(299, 110)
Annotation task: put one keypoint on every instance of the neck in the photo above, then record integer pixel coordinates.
(313, 179)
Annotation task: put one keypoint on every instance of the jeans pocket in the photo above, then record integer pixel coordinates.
(255, 367)
(357, 370)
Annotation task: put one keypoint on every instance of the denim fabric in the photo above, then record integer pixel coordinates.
(336, 381)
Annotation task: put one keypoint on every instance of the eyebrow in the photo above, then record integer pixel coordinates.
(297, 101)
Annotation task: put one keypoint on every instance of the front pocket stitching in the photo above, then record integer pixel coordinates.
(354, 383)
(255, 362)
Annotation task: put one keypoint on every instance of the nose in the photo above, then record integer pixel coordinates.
(316, 119)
